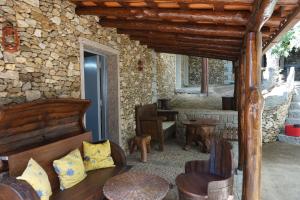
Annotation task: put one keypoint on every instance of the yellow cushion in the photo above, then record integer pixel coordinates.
(70, 169)
(97, 156)
(36, 176)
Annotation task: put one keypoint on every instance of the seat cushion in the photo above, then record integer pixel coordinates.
(195, 184)
(167, 124)
(90, 187)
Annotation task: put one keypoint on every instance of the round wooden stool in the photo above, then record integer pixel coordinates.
(143, 143)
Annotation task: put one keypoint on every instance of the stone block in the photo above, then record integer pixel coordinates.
(32, 95)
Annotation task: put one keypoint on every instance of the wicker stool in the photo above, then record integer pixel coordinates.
(143, 143)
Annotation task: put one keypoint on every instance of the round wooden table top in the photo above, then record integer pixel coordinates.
(136, 186)
(204, 121)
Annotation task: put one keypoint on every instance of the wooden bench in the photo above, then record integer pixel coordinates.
(47, 130)
(89, 188)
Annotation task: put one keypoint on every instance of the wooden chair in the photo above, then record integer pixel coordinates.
(208, 179)
(157, 124)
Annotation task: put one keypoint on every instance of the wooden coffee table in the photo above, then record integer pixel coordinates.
(200, 130)
(136, 186)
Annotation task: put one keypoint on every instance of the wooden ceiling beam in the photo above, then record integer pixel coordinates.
(183, 28)
(196, 49)
(263, 14)
(193, 53)
(228, 2)
(290, 22)
(147, 41)
(225, 17)
(154, 35)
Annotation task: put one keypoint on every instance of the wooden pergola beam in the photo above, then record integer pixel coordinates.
(227, 2)
(203, 30)
(182, 37)
(198, 16)
(176, 43)
(190, 52)
(203, 50)
(291, 21)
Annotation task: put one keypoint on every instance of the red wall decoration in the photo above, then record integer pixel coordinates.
(10, 38)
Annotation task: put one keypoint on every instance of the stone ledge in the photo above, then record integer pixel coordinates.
(289, 139)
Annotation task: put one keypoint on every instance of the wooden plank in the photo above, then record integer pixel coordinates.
(253, 118)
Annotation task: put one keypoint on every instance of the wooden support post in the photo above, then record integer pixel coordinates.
(236, 84)
(241, 111)
(253, 117)
(204, 78)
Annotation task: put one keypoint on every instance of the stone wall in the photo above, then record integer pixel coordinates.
(277, 103)
(48, 63)
(166, 76)
(228, 119)
(216, 71)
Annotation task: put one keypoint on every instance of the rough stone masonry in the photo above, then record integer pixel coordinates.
(48, 63)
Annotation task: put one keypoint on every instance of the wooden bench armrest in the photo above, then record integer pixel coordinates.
(197, 166)
(159, 118)
(118, 154)
(14, 189)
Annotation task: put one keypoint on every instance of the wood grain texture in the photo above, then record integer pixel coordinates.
(211, 179)
(149, 122)
(253, 117)
(28, 125)
(214, 18)
(241, 112)
(136, 186)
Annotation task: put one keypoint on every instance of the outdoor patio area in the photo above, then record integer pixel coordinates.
(149, 99)
(280, 168)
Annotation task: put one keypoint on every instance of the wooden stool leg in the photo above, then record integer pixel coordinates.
(148, 146)
(143, 151)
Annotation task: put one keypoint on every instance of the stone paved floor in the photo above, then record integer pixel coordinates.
(195, 100)
(280, 172)
(167, 164)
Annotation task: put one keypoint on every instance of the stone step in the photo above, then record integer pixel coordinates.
(295, 105)
(289, 139)
(292, 121)
(294, 113)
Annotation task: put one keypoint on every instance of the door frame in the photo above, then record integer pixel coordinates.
(113, 118)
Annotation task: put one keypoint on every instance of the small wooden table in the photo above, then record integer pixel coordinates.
(200, 130)
(136, 186)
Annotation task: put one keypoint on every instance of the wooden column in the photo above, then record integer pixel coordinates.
(236, 84)
(204, 78)
(241, 111)
(253, 117)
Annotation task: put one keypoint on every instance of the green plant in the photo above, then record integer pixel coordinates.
(289, 42)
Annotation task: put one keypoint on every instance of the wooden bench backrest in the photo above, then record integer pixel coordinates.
(220, 162)
(45, 155)
(148, 110)
(41, 122)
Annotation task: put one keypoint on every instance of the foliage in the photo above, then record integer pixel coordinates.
(289, 42)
